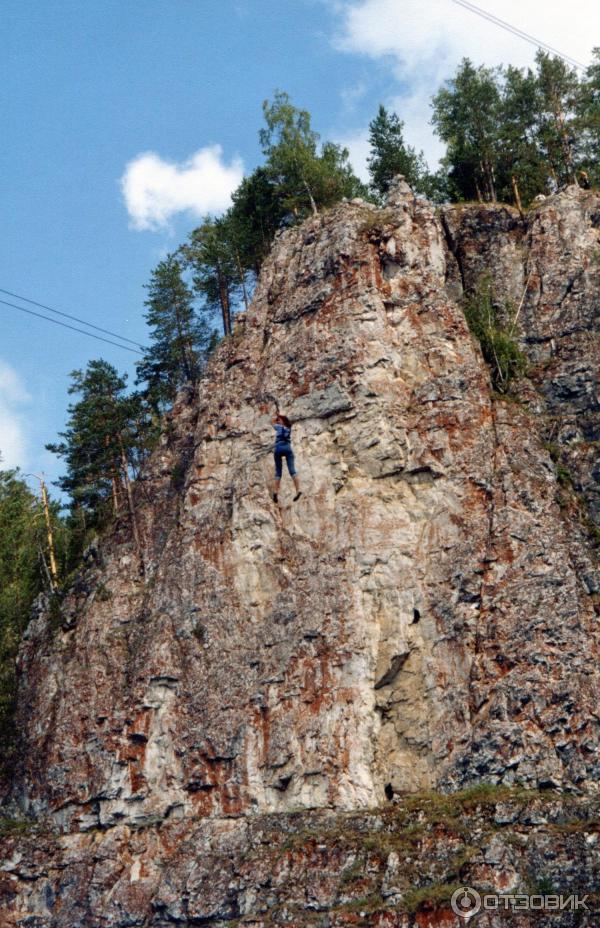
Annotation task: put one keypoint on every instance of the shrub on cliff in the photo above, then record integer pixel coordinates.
(494, 329)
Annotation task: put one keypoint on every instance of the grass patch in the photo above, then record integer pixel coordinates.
(429, 897)
(367, 904)
(353, 873)
(103, 593)
(375, 220)
(563, 474)
(15, 826)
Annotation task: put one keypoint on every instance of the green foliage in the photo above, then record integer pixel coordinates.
(108, 434)
(179, 339)
(376, 220)
(430, 897)
(103, 594)
(495, 332)
(511, 129)
(258, 212)
(390, 155)
(587, 124)
(466, 115)
(558, 91)
(23, 575)
(518, 144)
(199, 633)
(12, 827)
(55, 614)
(304, 178)
(214, 257)
(545, 885)
(178, 473)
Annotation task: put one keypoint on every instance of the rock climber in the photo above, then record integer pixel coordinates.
(283, 449)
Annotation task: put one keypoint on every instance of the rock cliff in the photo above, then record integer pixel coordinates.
(423, 618)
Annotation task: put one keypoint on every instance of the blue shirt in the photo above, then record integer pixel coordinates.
(283, 436)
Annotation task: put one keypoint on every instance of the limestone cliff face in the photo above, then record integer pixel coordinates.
(423, 617)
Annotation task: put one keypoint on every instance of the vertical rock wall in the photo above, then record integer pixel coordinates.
(422, 617)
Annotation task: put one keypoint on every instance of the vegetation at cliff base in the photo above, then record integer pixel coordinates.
(24, 573)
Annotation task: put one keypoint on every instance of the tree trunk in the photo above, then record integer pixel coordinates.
(114, 483)
(242, 279)
(313, 205)
(492, 182)
(224, 300)
(131, 504)
(51, 554)
(187, 366)
(559, 118)
(517, 196)
(487, 173)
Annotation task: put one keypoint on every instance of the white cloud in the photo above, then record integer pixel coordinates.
(424, 40)
(352, 95)
(155, 190)
(13, 395)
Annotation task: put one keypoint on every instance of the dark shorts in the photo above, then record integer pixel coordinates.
(287, 453)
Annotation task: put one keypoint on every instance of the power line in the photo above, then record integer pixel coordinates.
(519, 32)
(66, 325)
(58, 312)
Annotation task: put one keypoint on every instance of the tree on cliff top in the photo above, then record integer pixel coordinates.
(513, 133)
(522, 170)
(558, 93)
(466, 116)
(258, 212)
(215, 256)
(390, 155)
(179, 339)
(304, 178)
(588, 121)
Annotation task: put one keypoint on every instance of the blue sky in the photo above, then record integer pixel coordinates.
(91, 87)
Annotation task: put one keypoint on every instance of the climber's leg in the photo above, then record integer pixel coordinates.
(291, 464)
(278, 471)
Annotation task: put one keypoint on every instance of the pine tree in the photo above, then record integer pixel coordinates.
(525, 172)
(105, 440)
(466, 116)
(179, 339)
(391, 156)
(258, 212)
(218, 275)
